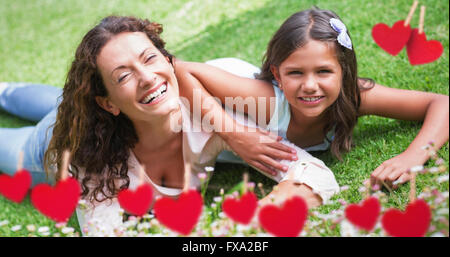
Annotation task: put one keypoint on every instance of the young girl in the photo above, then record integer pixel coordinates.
(310, 69)
(120, 110)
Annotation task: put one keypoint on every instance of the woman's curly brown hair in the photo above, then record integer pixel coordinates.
(99, 142)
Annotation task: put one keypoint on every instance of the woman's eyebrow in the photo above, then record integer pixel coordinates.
(143, 52)
(123, 66)
(117, 68)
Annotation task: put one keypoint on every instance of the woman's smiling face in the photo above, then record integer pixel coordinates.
(139, 79)
(311, 78)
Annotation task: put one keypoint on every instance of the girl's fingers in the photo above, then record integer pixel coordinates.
(375, 174)
(263, 168)
(273, 164)
(270, 135)
(283, 147)
(276, 153)
(396, 174)
(382, 177)
(401, 180)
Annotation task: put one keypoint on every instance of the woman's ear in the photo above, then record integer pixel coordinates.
(276, 74)
(107, 105)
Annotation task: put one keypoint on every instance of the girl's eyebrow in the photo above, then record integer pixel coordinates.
(323, 66)
(293, 67)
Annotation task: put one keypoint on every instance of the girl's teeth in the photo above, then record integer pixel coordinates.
(310, 99)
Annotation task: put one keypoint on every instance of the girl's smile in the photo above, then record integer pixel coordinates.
(311, 99)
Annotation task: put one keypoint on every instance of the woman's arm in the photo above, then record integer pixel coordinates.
(432, 109)
(258, 148)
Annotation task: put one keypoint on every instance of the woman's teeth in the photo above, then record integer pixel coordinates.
(310, 99)
(155, 95)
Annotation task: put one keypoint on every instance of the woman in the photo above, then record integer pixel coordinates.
(120, 111)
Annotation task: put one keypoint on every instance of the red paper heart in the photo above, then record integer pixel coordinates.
(180, 215)
(241, 210)
(413, 222)
(365, 215)
(136, 202)
(59, 202)
(285, 221)
(15, 188)
(391, 40)
(421, 51)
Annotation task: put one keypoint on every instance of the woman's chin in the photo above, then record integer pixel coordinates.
(166, 107)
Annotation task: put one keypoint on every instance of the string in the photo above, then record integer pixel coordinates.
(411, 12)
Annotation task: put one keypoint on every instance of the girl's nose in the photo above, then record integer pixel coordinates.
(309, 84)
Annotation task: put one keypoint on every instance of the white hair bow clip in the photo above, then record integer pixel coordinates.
(343, 37)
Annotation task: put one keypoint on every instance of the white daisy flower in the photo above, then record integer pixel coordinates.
(16, 228)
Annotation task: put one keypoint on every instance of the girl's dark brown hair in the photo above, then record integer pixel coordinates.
(99, 142)
(295, 32)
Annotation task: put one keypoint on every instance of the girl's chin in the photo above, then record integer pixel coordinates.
(311, 113)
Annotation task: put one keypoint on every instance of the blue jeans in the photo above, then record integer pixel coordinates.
(33, 102)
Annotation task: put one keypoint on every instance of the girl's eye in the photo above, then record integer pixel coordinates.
(324, 71)
(295, 73)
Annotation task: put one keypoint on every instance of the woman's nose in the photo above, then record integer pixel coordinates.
(147, 78)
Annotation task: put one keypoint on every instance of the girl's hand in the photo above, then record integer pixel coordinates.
(395, 169)
(260, 149)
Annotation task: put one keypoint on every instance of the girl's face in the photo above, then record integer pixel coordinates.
(139, 79)
(311, 78)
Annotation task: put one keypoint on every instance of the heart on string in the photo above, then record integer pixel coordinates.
(180, 215)
(285, 221)
(391, 40)
(15, 188)
(59, 202)
(364, 215)
(414, 222)
(136, 202)
(242, 210)
(421, 51)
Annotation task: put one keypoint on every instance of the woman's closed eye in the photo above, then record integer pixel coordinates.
(123, 76)
(149, 58)
(126, 75)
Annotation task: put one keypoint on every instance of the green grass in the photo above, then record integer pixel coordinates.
(38, 41)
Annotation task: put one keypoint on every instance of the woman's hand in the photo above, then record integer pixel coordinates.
(395, 169)
(260, 149)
